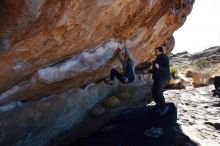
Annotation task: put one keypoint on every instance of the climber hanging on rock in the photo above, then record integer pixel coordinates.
(128, 64)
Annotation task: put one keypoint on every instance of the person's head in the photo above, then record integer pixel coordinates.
(158, 51)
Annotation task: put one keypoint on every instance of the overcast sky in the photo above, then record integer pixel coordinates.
(201, 29)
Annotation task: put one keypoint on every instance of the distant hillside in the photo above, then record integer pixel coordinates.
(205, 61)
(212, 55)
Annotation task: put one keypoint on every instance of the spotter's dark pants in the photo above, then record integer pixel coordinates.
(157, 92)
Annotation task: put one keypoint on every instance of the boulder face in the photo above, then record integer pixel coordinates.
(47, 47)
(62, 118)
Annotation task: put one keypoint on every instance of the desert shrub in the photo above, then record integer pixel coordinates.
(203, 66)
(200, 79)
(202, 72)
(173, 72)
(200, 64)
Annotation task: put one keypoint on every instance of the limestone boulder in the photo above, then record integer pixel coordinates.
(62, 118)
(47, 47)
(176, 84)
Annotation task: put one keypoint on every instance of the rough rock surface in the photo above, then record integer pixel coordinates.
(47, 47)
(198, 114)
(60, 119)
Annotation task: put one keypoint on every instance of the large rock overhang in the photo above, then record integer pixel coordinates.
(47, 47)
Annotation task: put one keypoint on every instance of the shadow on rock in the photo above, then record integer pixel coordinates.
(179, 138)
(139, 127)
(135, 127)
(215, 125)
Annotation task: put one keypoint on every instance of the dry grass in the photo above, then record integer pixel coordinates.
(201, 72)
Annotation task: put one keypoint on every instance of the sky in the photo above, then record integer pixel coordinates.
(201, 29)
